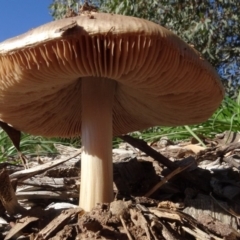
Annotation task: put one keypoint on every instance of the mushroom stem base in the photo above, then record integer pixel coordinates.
(96, 160)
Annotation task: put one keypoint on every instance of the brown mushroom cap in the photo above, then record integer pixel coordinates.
(161, 80)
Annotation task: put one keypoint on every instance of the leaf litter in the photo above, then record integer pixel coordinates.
(163, 190)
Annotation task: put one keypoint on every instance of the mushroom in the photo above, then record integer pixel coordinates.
(100, 75)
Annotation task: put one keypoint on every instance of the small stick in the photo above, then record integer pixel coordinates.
(165, 179)
(27, 173)
(142, 146)
(125, 228)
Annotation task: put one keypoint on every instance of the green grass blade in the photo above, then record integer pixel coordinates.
(194, 135)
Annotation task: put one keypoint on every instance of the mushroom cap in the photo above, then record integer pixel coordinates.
(162, 81)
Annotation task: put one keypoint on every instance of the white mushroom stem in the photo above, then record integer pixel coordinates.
(96, 161)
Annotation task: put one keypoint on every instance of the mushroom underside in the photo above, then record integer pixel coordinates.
(154, 83)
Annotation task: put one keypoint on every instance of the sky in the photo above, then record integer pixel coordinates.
(19, 16)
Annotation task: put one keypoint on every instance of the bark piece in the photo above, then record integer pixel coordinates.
(139, 220)
(185, 222)
(232, 146)
(21, 223)
(194, 148)
(203, 204)
(57, 224)
(218, 228)
(227, 138)
(64, 234)
(7, 194)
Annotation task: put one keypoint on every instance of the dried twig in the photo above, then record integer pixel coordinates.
(167, 178)
(142, 145)
(27, 173)
(125, 228)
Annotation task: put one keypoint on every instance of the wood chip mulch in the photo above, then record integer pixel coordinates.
(163, 190)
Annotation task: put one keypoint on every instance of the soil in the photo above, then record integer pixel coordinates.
(163, 190)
